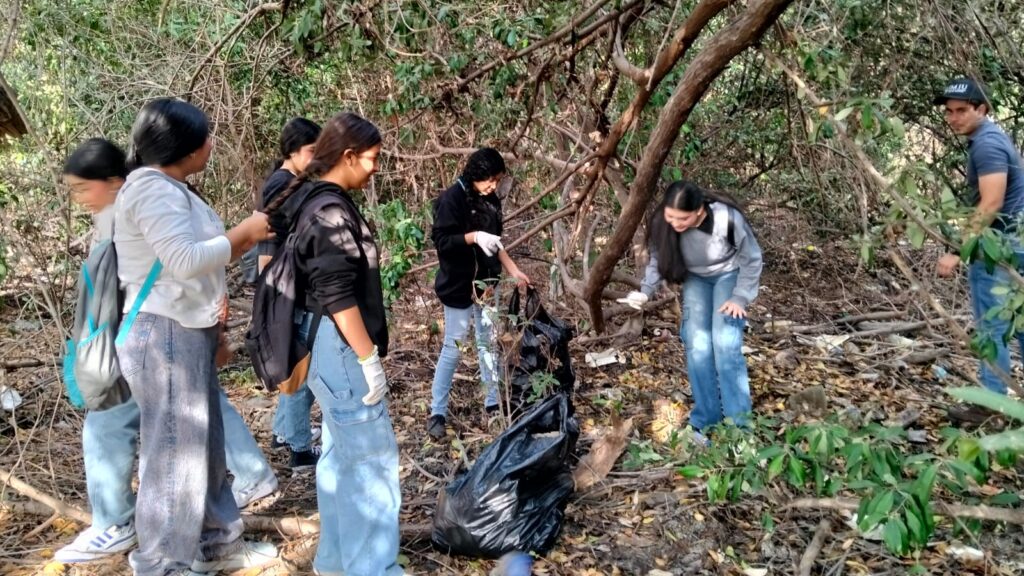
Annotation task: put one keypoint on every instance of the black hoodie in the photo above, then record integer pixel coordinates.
(461, 209)
(338, 258)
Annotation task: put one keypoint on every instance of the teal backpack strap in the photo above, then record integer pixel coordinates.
(129, 319)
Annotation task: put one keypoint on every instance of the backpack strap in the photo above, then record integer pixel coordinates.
(724, 222)
(147, 287)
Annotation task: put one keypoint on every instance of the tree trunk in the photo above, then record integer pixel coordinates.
(704, 69)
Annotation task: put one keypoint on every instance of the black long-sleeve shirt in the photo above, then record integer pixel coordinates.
(340, 261)
(461, 209)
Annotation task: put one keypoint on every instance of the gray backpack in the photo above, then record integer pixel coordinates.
(92, 374)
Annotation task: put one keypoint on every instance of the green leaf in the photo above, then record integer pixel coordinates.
(775, 467)
(916, 235)
(895, 536)
(691, 471)
(1009, 440)
(968, 249)
(917, 531)
(796, 472)
(989, 399)
(842, 114)
(1004, 499)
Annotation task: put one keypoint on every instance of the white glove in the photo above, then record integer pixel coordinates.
(489, 243)
(635, 299)
(373, 371)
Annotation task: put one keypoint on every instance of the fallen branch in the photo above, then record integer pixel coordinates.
(814, 548)
(305, 526)
(991, 513)
(55, 505)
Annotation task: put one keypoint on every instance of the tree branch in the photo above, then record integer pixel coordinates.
(245, 21)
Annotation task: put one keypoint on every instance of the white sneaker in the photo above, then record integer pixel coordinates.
(239, 555)
(93, 544)
(261, 490)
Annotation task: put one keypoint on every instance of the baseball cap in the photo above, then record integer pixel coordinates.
(963, 88)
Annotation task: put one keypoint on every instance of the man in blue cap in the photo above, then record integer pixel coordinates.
(995, 179)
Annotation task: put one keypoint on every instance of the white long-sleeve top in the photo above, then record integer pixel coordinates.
(157, 217)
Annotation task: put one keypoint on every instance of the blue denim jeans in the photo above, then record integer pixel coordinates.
(981, 284)
(357, 489)
(185, 508)
(291, 419)
(714, 352)
(110, 439)
(456, 327)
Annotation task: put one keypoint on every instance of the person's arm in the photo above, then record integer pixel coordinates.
(652, 278)
(163, 214)
(350, 323)
(992, 191)
(511, 268)
(751, 263)
(992, 167)
(447, 231)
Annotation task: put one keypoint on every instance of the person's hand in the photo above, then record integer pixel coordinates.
(256, 227)
(521, 278)
(634, 299)
(733, 309)
(373, 371)
(487, 242)
(947, 265)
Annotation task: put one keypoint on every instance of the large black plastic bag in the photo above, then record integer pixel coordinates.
(514, 496)
(543, 338)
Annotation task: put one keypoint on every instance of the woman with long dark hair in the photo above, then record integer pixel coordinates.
(467, 233)
(185, 514)
(357, 476)
(703, 241)
(291, 425)
(95, 172)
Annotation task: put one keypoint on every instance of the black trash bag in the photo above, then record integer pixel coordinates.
(543, 338)
(514, 496)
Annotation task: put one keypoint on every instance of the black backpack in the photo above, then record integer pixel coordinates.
(279, 358)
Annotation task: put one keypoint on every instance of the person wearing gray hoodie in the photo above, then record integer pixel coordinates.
(704, 242)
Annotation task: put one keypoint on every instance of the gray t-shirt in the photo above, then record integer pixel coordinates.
(990, 151)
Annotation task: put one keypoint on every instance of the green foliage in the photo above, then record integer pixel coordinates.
(895, 483)
(401, 238)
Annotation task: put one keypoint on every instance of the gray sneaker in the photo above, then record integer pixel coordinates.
(239, 555)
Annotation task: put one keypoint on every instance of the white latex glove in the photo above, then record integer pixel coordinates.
(489, 243)
(373, 371)
(634, 299)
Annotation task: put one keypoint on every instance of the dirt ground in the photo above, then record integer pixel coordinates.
(645, 520)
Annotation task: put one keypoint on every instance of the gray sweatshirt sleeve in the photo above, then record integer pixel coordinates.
(652, 279)
(162, 213)
(750, 262)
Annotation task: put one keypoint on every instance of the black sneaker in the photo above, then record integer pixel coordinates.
(278, 442)
(304, 460)
(435, 426)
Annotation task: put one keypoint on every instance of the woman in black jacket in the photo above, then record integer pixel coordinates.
(357, 487)
(467, 233)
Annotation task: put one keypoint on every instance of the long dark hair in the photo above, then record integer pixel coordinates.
(297, 132)
(97, 159)
(688, 197)
(345, 131)
(484, 164)
(165, 131)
